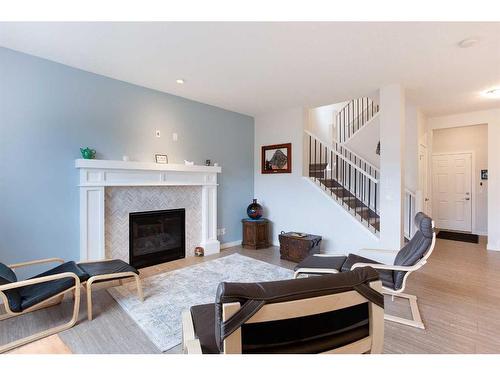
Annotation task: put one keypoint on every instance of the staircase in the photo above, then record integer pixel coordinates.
(351, 181)
(356, 114)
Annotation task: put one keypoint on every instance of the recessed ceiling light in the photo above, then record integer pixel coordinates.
(180, 81)
(494, 93)
(468, 42)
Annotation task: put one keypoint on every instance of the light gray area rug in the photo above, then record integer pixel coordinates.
(167, 295)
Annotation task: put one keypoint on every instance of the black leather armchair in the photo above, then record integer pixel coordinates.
(44, 290)
(410, 258)
(48, 289)
(340, 313)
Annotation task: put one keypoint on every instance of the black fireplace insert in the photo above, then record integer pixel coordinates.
(156, 237)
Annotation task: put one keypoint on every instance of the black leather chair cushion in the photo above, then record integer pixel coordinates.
(8, 276)
(416, 248)
(204, 327)
(328, 262)
(287, 290)
(32, 294)
(107, 267)
(386, 276)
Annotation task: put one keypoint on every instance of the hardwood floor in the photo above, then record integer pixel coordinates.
(457, 292)
(49, 345)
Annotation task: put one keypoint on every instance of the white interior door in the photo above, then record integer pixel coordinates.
(451, 191)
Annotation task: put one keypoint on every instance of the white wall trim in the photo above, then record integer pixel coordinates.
(227, 245)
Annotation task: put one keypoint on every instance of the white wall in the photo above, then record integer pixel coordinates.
(411, 147)
(364, 142)
(322, 121)
(469, 138)
(292, 202)
(492, 119)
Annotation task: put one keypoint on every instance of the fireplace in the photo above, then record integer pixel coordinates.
(156, 237)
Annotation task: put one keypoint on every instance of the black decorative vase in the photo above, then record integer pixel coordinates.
(254, 210)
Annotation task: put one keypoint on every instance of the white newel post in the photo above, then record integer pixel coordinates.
(96, 175)
(392, 125)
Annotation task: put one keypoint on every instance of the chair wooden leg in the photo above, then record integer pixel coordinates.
(48, 332)
(89, 300)
(139, 288)
(416, 320)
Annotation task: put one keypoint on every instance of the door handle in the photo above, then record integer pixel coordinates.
(467, 199)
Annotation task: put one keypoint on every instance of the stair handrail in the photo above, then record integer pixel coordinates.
(359, 169)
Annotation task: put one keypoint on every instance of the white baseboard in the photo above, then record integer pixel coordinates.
(230, 244)
(491, 248)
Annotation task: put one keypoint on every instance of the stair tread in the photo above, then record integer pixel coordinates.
(330, 183)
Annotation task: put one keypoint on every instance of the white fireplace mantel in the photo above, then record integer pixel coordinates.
(95, 175)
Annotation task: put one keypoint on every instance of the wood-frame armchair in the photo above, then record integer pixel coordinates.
(292, 309)
(50, 301)
(410, 258)
(416, 318)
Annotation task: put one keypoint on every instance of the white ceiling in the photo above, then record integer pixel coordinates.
(255, 68)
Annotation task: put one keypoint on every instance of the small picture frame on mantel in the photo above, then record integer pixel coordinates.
(161, 159)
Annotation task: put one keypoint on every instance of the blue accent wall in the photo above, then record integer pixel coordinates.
(49, 110)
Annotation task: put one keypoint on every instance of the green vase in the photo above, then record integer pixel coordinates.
(87, 153)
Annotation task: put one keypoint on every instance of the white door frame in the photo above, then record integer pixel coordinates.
(473, 185)
(423, 189)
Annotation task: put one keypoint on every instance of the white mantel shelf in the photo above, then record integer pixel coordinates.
(96, 175)
(133, 173)
(140, 165)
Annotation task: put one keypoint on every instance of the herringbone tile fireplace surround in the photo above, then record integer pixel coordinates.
(120, 201)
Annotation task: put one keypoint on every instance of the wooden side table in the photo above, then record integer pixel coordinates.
(255, 234)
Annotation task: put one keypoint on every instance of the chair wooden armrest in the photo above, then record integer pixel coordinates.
(381, 251)
(384, 267)
(39, 280)
(44, 303)
(33, 262)
(193, 347)
(187, 328)
(384, 256)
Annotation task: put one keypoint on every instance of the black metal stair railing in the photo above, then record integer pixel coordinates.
(350, 180)
(354, 116)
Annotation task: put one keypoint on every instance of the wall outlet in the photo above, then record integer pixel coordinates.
(175, 137)
(157, 134)
(221, 231)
